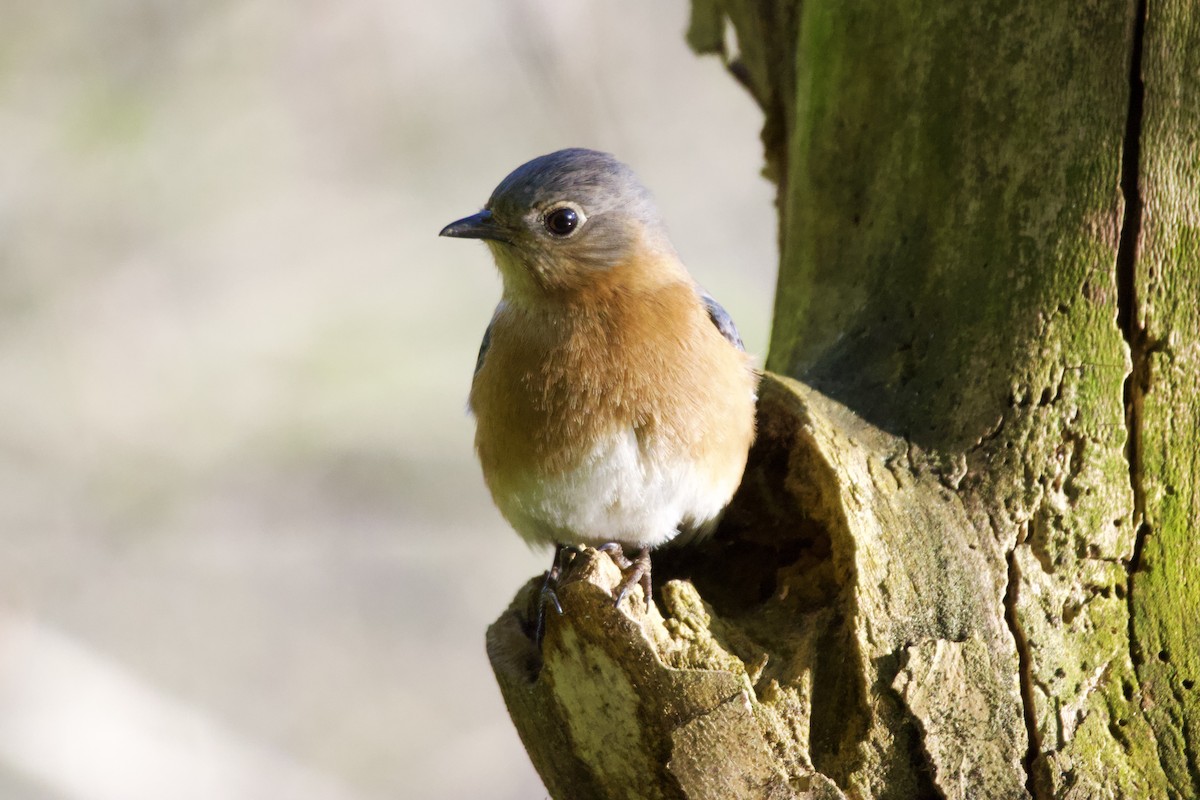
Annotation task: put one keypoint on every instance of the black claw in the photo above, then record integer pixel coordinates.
(539, 631)
(547, 595)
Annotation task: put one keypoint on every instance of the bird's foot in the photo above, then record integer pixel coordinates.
(563, 554)
(617, 553)
(635, 571)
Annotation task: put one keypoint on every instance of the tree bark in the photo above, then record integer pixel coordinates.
(962, 561)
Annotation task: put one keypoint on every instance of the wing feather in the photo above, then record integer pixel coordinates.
(720, 317)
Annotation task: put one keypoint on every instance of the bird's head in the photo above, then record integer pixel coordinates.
(569, 221)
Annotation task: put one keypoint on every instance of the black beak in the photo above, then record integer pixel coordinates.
(476, 226)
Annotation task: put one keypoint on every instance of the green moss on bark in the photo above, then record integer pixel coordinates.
(952, 218)
(1165, 590)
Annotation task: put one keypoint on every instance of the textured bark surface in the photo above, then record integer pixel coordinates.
(1164, 393)
(963, 562)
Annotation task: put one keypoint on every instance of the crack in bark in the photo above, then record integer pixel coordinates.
(1137, 382)
(1024, 671)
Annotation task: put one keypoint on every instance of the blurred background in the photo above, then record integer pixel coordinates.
(245, 550)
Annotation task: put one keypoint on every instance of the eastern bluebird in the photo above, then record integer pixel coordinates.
(614, 402)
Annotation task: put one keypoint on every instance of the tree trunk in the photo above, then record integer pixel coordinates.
(962, 561)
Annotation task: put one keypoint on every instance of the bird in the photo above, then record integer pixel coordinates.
(613, 398)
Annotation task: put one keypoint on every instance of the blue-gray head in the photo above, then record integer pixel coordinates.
(561, 220)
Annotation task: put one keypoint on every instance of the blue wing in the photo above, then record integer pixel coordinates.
(720, 317)
(487, 339)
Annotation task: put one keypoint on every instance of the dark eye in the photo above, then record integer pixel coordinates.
(561, 221)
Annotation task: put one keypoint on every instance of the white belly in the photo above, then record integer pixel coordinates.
(623, 491)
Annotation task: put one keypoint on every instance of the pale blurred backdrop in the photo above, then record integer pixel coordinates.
(245, 549)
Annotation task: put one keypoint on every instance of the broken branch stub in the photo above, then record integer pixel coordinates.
(841, 635)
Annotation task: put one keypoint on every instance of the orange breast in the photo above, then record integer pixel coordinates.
(557, 380)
